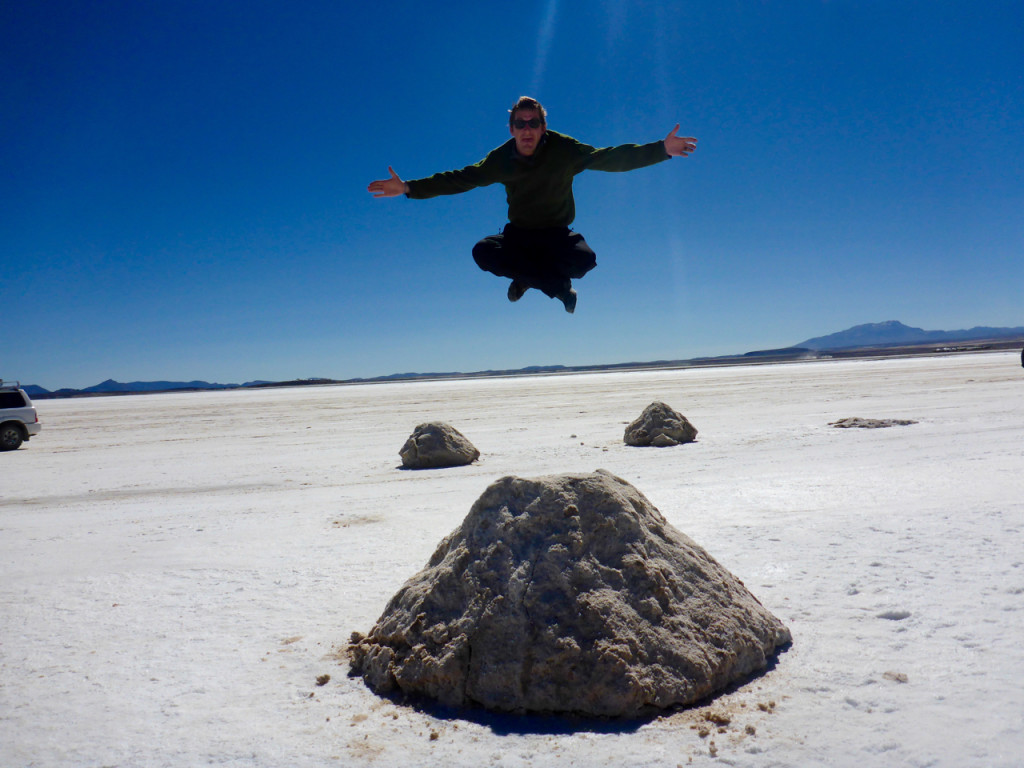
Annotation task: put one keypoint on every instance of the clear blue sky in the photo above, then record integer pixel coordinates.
(183, 184)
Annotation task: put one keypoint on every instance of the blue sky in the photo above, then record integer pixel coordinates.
(184, 195)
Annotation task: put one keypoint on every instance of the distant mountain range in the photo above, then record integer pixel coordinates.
(154, 386)
(110, 386)
(895, 333)
(870, 336)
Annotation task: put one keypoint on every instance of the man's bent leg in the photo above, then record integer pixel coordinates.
(492, 255)
(546, 259)
(574, 258)
(516, 254)
(566, 255)
(550, 258)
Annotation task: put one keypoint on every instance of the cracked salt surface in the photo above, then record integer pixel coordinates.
(174, 602)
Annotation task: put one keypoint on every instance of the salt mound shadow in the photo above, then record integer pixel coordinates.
(567, 594)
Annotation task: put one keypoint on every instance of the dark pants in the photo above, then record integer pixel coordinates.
(545, 259)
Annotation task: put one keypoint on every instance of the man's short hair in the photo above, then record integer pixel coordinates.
(527, 102)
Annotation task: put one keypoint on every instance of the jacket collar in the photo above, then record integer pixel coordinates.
(529, 159)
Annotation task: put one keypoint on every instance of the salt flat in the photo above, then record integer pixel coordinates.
(179, 569)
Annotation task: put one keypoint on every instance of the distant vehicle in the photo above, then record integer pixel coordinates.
(18, 417)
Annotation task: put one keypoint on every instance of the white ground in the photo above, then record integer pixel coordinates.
(177, 570)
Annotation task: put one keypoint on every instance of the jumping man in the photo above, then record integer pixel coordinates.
(536, 249)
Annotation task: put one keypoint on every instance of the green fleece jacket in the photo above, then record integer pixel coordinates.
(539, 187)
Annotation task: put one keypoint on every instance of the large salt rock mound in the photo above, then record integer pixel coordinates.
(567, 594)
(435, 445)
(660, 426)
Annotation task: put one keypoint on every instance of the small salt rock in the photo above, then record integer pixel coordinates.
(657, 423)
(435, 445)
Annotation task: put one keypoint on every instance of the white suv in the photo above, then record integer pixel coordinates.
(18, 417)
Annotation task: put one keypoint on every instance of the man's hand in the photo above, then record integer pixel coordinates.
(679, 146)
(392, 187)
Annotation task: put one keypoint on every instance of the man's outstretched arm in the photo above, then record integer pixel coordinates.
(679, 146)
(392, 187)
(628, 157)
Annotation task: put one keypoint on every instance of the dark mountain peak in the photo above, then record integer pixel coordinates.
(110, 385)
(894, 333)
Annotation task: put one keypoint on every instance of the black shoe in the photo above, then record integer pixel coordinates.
(569, 299)
(516, 290)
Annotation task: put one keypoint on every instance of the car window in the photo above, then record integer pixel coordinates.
(11, 399)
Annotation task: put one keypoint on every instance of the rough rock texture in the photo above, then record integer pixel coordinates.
(661, 427)
(856, 421)
(569, 594)
(437, 445)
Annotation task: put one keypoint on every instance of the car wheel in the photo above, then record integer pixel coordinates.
(10, 437)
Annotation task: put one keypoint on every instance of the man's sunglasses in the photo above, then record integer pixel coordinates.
(533, 122)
